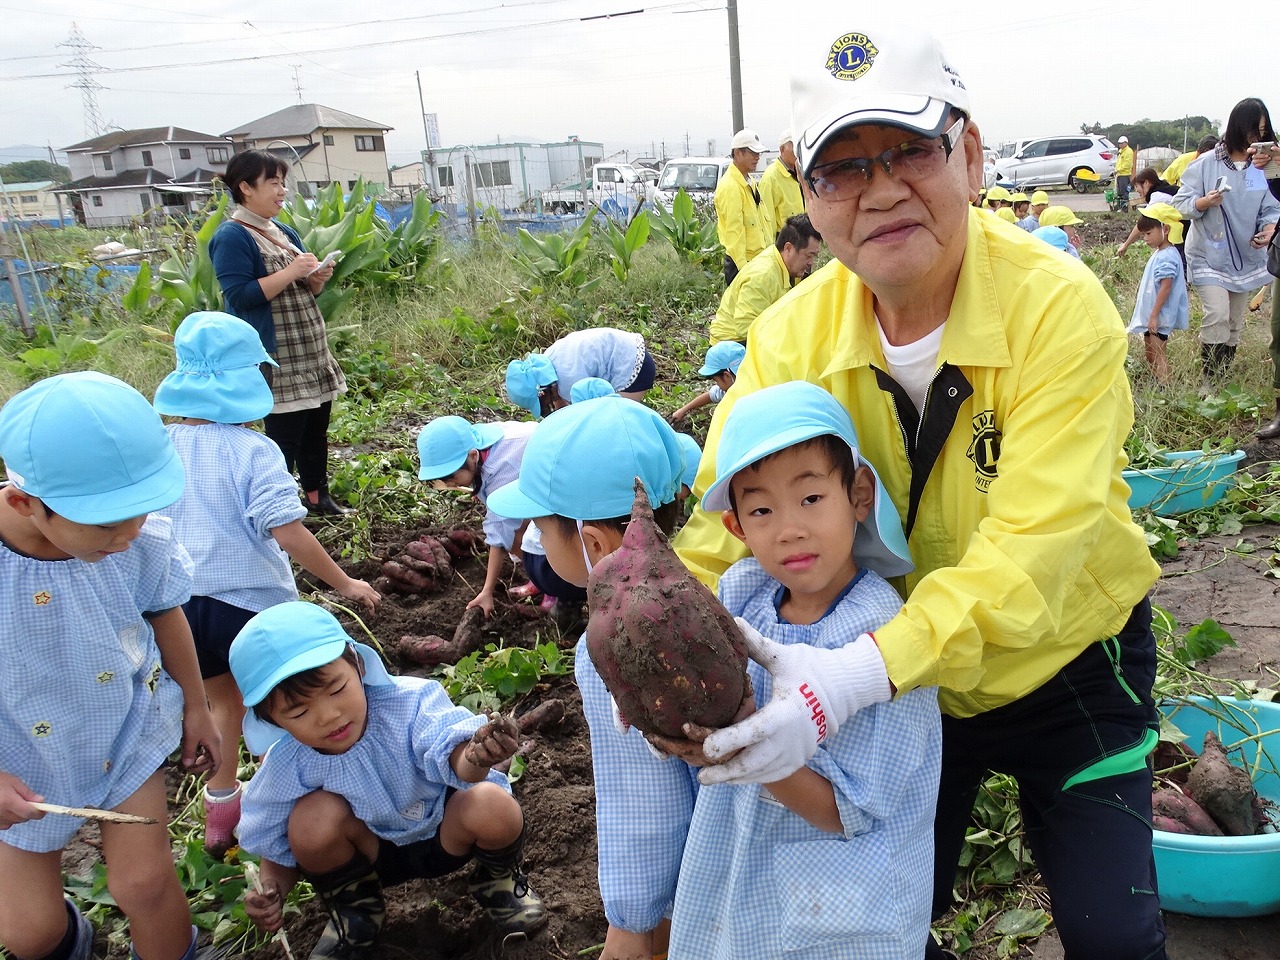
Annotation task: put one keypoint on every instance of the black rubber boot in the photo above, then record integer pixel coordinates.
(353, 896)
(1271, 431)
(500, 886)
(324, 505)
(1208, 367)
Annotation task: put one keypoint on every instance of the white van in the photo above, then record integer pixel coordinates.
(698, 177)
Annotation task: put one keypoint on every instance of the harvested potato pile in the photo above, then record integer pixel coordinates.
(664, 646)
(1216, 799)
(426, 564)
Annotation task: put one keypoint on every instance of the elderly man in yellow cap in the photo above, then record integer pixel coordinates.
(780, 197)
(741, 224)
(985, 376)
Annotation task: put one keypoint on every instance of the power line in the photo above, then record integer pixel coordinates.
(89, 87)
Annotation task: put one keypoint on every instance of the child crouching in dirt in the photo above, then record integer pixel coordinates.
(577, 484)
(99, 682)
(368, 781)
(1161, 305)
(834, 860)
(240, 520)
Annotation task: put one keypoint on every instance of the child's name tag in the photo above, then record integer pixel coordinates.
(415, 811)
(1254, 179)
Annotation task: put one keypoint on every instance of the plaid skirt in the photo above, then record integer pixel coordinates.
(307, 369)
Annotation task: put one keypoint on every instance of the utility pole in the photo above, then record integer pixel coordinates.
(297, 81)
(735, 67)
(430, 155)
(89, 87)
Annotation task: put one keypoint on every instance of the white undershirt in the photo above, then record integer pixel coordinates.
(913, 364)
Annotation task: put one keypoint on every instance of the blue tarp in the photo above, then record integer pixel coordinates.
(50, 222)
(116, 278)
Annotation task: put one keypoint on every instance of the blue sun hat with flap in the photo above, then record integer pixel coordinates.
(217, 376)
(725, 355)
(583, 460)
(281, 642)
(443, 444)
(525, 380)
(91, 448)
(588, 388)
(783, 415)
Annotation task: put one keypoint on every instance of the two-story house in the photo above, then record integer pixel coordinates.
(125, 173)
(321, 145)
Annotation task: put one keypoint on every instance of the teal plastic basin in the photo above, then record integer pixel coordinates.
(1191, 481)
(1224, 876)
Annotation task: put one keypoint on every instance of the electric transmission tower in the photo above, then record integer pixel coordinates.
(85, 69)
(297, 80)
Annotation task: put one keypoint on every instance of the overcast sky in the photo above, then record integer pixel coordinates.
(534, 70)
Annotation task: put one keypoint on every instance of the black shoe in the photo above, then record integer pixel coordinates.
(324, 506)
(1272, 430)
(353, 897)
(508, 900)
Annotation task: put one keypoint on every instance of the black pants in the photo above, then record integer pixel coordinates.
(730, 270)
(303, 438)
(538, 569)
(1091, 840)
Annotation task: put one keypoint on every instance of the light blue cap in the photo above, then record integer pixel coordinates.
(692, 458)
(281, 642)
(588, 388)
(582, 463)
(90, 447)
(443, 444)
(217, 376)
(725, 355)
(783, 415)
(1055, 237)
(525, 380)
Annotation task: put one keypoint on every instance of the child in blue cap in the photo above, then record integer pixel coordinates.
(768, 872)
(543, 382)
(577, 484)
(368, 781)
(239, 518)
(99, 682)
(721, 365)
(484, 457)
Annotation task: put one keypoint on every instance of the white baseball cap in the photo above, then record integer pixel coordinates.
(786, 137)
(747, 139)
(1124, 140)
(894, 77)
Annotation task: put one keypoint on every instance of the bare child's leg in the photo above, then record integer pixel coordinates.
(33, 914)
(142, 879)
(484, 816)
(1158, 358)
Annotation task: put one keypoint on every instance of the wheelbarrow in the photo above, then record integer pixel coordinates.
(1083, 180)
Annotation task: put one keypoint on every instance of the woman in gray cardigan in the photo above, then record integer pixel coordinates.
(1233, 215)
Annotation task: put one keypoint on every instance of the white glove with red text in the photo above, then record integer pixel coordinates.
(814, 691)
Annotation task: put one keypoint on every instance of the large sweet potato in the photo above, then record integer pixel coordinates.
(666, 649)
(1172, 804)
(1223, 789)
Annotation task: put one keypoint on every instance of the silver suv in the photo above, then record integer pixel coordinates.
(1051, 161)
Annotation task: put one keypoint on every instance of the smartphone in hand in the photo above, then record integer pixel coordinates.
(1272, 169)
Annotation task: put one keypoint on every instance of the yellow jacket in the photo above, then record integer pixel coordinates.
(1024, 547)
(1124, 162)
(779, 197)
(740, 224)
(763, 282)
(1173, 173)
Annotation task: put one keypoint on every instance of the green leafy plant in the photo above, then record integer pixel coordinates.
(557, 259)
(489, 678)
(692, 237)
(187, 277)
(625, 243)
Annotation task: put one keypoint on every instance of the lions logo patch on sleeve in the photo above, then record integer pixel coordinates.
(984, 449)
(851, 56)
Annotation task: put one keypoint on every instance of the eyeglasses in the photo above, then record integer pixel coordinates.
(912, 161)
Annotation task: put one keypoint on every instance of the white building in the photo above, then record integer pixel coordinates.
(509, 176)
(321, 145)
(126, 173)
(29, 201)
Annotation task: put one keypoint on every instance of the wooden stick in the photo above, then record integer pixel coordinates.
(92, 813)
(251, 874)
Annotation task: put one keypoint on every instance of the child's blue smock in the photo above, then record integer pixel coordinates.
(758, 881)
(87, 712)
(1163, 264)
(237, 491)
(394, 777)
(643, 807)
(500, 465)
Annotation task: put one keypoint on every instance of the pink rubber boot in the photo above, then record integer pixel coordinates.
(221, 816)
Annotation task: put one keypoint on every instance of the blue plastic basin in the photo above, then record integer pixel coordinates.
(1224, 876)
(1191, 481)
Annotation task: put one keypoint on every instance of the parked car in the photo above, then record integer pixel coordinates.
(617, 183)
(1051, 161)
(697, 175)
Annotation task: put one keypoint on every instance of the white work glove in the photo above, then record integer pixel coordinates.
(814, 691)
(623, 727)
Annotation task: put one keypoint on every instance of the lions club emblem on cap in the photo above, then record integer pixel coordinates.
(851, 56)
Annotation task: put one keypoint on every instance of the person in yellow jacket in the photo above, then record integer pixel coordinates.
(1124, 169)
(740, 223)
(985, 376)
(773, 272)
(1173, 173)
(780, 197)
